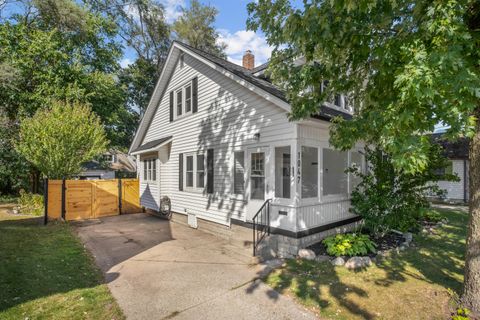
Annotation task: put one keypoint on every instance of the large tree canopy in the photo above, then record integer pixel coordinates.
(406, 66)
(195, 27)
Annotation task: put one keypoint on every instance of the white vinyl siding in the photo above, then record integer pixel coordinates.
(228, 117)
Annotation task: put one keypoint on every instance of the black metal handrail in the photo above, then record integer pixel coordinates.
(261, 224)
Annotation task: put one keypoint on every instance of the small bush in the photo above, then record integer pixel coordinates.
(30, 203)
(8, 199)
(430, 215)
(349, 244)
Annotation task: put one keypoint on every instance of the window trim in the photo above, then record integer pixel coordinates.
(194, 187)
(183, 88)
(148, 170)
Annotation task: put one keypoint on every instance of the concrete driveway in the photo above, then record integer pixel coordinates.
(158, 269)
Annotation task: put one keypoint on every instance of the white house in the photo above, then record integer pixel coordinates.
(216, 140)
(458, 164)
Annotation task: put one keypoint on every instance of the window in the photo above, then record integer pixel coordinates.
(239, 172)
(188, 98)
(334, 177)
(189, 175)
(282, 172)
(184, 99)
(448, 169)
(257, 176)
(179, 103)
(356, 161)
(200, 171)
(309, 172)
(194, 171)
(338, 100)
(150, 170)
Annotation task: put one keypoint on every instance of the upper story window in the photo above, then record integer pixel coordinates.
(184, 100)
(339, 101)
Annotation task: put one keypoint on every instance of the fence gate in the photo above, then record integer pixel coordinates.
(89, 199)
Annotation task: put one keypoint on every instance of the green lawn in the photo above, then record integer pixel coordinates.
(411, 285)
(45, 273)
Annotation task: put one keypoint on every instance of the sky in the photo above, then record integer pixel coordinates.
(231, 25)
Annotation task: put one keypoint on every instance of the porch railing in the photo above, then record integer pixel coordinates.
(261, 225)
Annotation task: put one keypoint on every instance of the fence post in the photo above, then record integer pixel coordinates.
(45, 201)
(63, 199)
(119, 196)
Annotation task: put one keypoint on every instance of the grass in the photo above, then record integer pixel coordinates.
(46, 273)
(409, 285)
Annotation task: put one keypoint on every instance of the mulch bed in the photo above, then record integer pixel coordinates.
(389, 241)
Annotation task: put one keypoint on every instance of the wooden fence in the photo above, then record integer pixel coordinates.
(90, 199)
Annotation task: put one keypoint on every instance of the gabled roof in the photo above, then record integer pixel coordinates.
(240, 71)
(241, 75)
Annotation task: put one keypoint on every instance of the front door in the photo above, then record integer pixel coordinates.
(258, 180)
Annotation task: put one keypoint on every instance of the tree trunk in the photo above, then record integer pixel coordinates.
(471, 290)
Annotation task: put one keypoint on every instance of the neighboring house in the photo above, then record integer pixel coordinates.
(216, 140)
(457, 154)
(114, 164)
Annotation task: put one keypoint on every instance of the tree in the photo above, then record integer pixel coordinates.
(143, 27)
(141, 24)
(139, 80)
(406, 65)
(59, 139)
(195, 27)
(73, 58)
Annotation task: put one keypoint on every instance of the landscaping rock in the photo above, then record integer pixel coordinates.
(358, 262)
(338, 261)
(306, 254)
(322, 258)
(408, 237)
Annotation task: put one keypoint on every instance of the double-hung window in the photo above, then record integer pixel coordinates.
(183, 100)
(150, 170)
(195, 171)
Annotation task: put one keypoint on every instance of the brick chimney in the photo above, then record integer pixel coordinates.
(248, 60)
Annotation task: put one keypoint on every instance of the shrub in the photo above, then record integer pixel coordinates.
(349, 244)
(387, 198)
(431, 215)
(31, 203)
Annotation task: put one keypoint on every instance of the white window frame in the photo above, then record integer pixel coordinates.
(183, 89)
(148, 169)
(194, 187)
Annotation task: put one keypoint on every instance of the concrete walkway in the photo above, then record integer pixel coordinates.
(162, 270)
